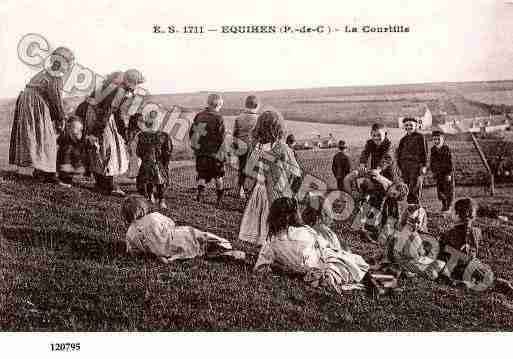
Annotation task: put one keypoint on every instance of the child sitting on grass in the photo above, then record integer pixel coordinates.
(378, 177)
(464, 237)
(405, 250)
(71, 152)
(380, 198)
(319, 216)
(153, 233)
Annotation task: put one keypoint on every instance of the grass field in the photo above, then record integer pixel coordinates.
(62, 266)
(62, 269)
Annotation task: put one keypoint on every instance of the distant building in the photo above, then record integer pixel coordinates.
(458, 124)
(422, 113)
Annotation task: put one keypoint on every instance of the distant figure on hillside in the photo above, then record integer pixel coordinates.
(341, 165)
(242, 128)
(207, 134)
(150, 232)
(412, 159)
(442, 167)
(39, 117)
(71, 153)
(272, 165)
(154, 148)
(331, 141)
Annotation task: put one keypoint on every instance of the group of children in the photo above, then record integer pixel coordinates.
(407, 170)
(301, 243)
(94, 141)
(153, 147)
(304, 244)
(385, 184)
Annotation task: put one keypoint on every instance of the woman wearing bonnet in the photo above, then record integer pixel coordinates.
(102, 111)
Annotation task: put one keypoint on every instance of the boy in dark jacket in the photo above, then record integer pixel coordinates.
(207, 141)
(341, 165)
(412, 159)
(377, 151)
(442, 167)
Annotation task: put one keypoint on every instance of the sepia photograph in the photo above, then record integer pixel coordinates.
(220, 171)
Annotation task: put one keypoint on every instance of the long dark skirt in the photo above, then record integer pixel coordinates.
(33, 136)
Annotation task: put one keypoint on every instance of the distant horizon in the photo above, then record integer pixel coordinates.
(447, 42)
(335, 86)
(306, 88)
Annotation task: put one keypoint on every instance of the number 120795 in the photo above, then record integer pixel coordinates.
(65, 347)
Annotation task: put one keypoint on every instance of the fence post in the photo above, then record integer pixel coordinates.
(485, 163)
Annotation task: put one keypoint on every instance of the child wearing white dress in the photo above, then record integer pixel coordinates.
(273, 167)
(297, 248)
(319, 215)
(153, 233)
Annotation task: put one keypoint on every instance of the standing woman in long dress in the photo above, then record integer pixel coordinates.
(273, 166)
(107, 154)
(39, 117)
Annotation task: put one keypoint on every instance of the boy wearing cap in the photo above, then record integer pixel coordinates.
(442, 167)
(412, 159)
(341, 165)
(242, 127)
(207, 137)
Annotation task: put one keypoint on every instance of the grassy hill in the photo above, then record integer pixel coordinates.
(63, 269)
(359, 105)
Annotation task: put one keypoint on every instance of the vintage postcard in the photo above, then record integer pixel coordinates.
(249, 167)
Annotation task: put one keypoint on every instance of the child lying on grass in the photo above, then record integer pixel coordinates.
(464, 239)
(297, 248)
(154, 233)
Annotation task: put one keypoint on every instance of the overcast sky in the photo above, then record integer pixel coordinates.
(448, 41)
